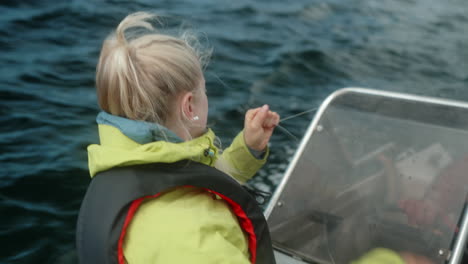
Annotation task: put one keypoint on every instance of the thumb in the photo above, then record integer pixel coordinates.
(260, 117)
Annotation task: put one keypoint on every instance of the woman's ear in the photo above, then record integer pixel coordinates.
(187, 106)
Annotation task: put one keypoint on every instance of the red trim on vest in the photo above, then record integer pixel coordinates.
(131, 212)
(244, 221)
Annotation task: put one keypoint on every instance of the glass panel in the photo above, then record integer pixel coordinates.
(376, 172)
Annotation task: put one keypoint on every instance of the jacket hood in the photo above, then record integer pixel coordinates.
(139, 131)
(125, 142)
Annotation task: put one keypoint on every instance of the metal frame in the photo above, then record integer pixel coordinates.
(460, 241)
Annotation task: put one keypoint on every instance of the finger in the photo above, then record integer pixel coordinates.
(269, 120)
(265, 138)
(276, 118)
(260, 116)
(251, 113)
(272, 120)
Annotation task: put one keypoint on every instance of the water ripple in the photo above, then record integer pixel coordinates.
(290, 55)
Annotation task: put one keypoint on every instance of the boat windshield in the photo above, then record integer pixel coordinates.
(375, 171)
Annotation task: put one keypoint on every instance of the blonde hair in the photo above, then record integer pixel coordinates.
(142, 71)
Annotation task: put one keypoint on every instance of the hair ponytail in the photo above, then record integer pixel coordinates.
(140, 71)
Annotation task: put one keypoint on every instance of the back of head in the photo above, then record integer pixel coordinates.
(141, 71)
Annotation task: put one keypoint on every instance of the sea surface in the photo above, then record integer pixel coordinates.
(288, 54)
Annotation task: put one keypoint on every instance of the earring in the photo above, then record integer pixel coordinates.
(195, 118)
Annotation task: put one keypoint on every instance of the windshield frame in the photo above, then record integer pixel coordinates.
(460, 238)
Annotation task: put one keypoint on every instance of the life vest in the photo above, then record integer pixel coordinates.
(113, 198)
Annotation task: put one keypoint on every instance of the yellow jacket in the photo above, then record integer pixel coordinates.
(184, 225)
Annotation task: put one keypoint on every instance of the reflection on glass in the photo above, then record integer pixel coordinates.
(379, 173)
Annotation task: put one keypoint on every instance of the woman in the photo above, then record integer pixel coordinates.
(155, 197)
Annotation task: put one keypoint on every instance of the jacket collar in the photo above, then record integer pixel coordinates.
(139, 131)
(125, 142)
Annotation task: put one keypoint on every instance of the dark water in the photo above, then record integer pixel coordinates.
(290, 55)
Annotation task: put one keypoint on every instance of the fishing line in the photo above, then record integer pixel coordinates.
(291, 117)
(299, 114)
(287, 132)
(221, 81)
(281, 120)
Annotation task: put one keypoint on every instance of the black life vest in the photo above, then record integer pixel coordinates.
(113, 197)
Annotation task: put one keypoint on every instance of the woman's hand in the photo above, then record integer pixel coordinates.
(258, 126)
